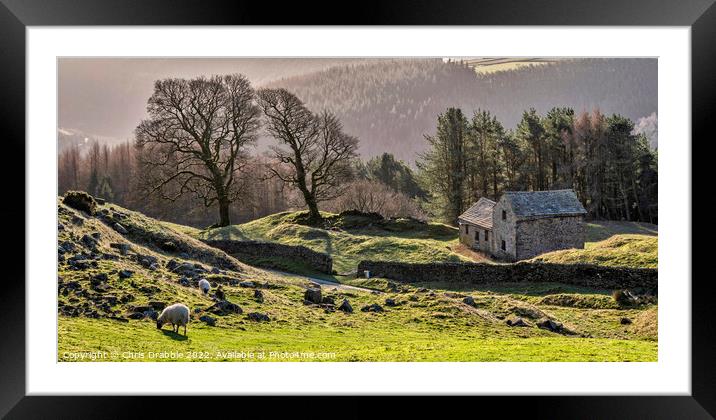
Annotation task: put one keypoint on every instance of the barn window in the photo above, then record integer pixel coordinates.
(467, 228)
(477, 234)
(503, 245)
(504, 215)
(487, 235)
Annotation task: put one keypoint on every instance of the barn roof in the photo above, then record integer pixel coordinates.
(539, 204)
(479, 214)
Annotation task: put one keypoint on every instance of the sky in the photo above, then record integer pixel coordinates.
(106, 97)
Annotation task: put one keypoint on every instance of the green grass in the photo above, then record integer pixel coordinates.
(351, 239)
(600, 230)
(627, 250)
(432, 325)
(140, 341)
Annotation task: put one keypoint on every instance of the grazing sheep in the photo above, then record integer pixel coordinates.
(204, 286)
(176, 314)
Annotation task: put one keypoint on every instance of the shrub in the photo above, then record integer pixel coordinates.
(80, 200)
(624, 297)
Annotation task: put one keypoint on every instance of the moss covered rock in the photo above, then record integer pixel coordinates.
(80, 200)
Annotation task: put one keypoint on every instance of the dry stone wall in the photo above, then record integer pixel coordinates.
(599, 277)
(250, 250)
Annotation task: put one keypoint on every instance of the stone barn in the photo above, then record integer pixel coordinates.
(524, 224)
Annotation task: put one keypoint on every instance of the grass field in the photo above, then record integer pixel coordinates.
(628, 244)
(432, 325)
(357, 239)
(429, 322)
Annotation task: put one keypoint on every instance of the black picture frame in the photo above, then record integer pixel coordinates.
(15, 15)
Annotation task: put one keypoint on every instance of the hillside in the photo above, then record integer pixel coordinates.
(391, 104)
(117, 268)
(626, 244)
(351, 238)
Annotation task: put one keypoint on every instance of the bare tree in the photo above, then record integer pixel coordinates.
(195, 136)
(315, 148)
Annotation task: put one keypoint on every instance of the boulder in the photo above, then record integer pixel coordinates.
(80, 200)
(517, 322)
(469, 300)
(346, 307)
(224, 307)
(219, 293)
(550, 325)
(328, 300)
(157, 305)
(625, 297)
(390, 302)
(248, 284)
(151, 314)
(625, 321)
(119, 228)
(172, 264)
(211, 321)
(99, 278)
(258, 295)
(89, 241)
(258, 317)
(372, 308)
(169, 246)
(313, 296)
(125, 274)
(122, 248)
(136, 315)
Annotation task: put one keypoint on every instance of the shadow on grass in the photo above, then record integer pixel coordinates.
(520, 288)
(603, 230)
(173, 335)
(226, 233)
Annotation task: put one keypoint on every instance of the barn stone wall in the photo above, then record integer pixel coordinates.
(249, 251)
(504, 230)
(537, 236)
(468, 238)
(586, 275)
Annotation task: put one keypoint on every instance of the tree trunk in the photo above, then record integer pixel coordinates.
(224, 211)
(314, 216)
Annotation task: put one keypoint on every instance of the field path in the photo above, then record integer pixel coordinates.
(323, 282)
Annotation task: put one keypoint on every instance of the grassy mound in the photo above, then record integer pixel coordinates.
(580, 301)
(604, 229)
(350, 238)
(628, 250)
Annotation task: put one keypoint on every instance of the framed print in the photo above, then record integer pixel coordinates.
(412, 199)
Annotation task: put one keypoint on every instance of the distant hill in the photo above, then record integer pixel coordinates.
(68, 138)
(391, 104)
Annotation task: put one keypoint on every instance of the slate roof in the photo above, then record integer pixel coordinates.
(540, 204)
(479, 214)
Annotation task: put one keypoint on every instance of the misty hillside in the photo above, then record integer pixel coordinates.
(391, 104)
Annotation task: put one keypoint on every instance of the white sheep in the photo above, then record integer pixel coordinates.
(176, 314)
(204, 286)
